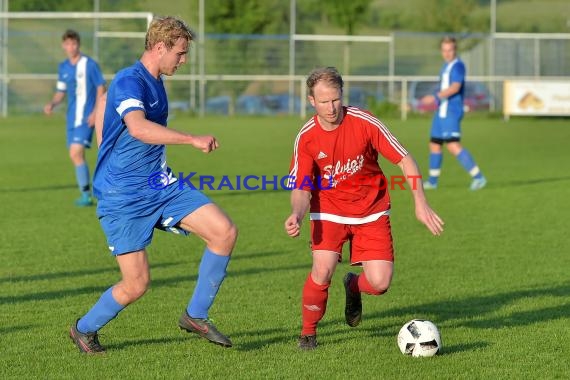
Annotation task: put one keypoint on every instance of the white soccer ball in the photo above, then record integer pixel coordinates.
(419, 338)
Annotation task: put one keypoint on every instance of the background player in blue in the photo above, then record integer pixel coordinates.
(131, 159)
(80, 78)
(446, 124)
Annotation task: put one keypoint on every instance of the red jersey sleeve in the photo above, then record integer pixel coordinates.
(384, 141)
(301, 170)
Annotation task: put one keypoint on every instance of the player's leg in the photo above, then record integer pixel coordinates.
(128, 225)
(80, 139)
(376, 277)
(435, 154)
(327, 239)
(372, 247)
(435, 161)
(134, 283)
(466, 160)
(211, 224)
(316, 290)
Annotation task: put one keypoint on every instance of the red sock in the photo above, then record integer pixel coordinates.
(314, 305)
(364, 286)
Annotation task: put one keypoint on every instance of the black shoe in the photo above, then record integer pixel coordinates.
(353, 307)
(205, 328)
(87, 343)
(307, 342)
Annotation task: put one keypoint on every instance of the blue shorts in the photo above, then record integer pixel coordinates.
(446, 128)
(80, 135)
(129, 223)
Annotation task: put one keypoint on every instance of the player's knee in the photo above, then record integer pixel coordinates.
(379, 284)
(228, 236)
(224, 239)
(232, 233)
(136, 289)
(76, 157)
(322, 275)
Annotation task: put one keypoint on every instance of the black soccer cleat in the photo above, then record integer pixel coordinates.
(203, 327)
(307, 342)
(87, 343)
(353, 306)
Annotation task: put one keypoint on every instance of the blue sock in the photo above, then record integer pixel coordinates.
(82, 176)
(211, 274)
(435, 160)
(468, 163)
(100, 314)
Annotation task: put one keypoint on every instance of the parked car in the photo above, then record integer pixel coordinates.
(476, 97)
(218, 105)
(272, 104)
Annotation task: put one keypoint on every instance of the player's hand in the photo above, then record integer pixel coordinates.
(48, 108)
(430, 219)
(427, 100)
(91, 120)
(205, 143)
(293, 226)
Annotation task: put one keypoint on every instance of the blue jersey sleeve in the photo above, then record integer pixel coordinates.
(95, 74)
(129, 95)
(457, 73)
(61, 84)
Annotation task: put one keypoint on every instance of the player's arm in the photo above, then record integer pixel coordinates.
(453, 89)
(91, 118)
(152, 133)
(57, 98)
(457, 77)
(300, 201)
(438, 96)
(100, 116)
(424, 213)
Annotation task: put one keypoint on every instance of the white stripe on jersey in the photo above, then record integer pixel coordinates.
(61, 86)
(80, 90)
(293, 174)
(346, 219)
(445, 82)
(128, 103)
(377, 123)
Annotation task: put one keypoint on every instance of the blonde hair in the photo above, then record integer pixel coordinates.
(168, 30)
(330, 75)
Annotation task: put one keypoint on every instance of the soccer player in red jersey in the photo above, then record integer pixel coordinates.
(335, 174)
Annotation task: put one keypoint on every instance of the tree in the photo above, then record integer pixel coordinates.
(348, 15)
(239, 50)
(452, 16)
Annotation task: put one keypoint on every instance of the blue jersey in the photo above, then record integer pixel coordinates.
(79, 82)
(125, 164)
(452, 72)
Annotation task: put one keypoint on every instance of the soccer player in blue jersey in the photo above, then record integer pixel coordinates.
(80, 78)
(446, 124)
(131, 158)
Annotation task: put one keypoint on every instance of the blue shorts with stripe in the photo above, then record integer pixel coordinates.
(80, 135)
(129, 223)
(446, 128)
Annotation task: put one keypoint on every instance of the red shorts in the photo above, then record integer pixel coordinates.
(369, 241)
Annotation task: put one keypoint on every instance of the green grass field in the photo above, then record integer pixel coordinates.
(496, 282)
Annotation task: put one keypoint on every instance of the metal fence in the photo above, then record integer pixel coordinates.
(264, 74)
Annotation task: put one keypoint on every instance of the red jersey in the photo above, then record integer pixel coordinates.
(340, 167)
